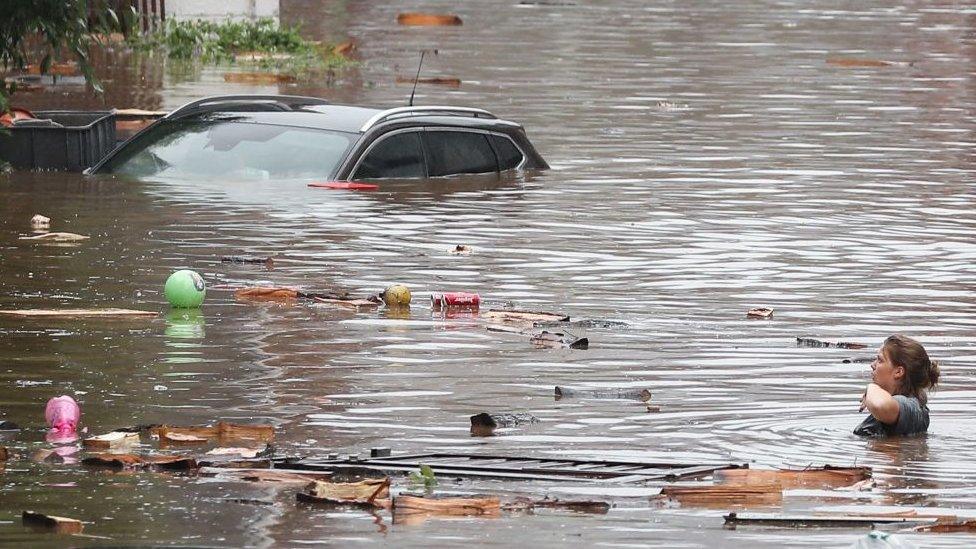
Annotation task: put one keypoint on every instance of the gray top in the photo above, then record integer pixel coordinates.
(913, 418)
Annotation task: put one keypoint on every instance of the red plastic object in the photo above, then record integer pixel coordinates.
(7, 119)
(454, 299)
(350, 185)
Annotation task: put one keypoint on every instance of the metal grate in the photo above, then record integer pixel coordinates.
(521, 468)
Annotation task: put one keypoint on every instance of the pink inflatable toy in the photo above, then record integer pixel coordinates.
(62, 414)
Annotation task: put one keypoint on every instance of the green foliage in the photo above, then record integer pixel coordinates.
(41, 31)
(425, 477)
(281, 48)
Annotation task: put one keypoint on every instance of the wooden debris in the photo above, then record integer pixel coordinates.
(428, 19)
(369, 492)
(247, 260)
(267, 475)
(559, 339)
(484, 424)
(436, 81)
(40, 222)
(522, 317)
(237, 452)
(258, 78)
(760, 312)
(132, 461)
(584, 324)
(4, 453)
(725, 494)
(506, 328)
(59, 525)
(855, 62)
(73, 313)
(811, 342)
(803, 521)
(461, 249)
(57, 237)
(223, 431)
(949, 527)
(175, 437)
(266, 294)
(115, 439)
(820, 477)
(527, 504)
(636, 394)
(406, 505)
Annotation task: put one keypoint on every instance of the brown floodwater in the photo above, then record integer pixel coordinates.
(707, 159)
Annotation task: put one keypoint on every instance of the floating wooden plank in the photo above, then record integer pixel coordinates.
(522, 504)
(247, 260)
(822, 477)
(368, 492)
(520, 468)
(114, 439)
(949, 527)
(725, 494)
(175, 437)
(132, 461)
(429, 19)
(811, 342)
(435, 81)
(4, 453)
(407, 504)
(522, 317)
(79, 313)
(760, 312)
(266, 294)
(807, 521)
(258, 78)
(57, 237)
(59, 525)
(223, 431)
(237, 452)
(634, 394)
(856, 62)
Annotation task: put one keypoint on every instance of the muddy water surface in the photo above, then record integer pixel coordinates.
(706, 159)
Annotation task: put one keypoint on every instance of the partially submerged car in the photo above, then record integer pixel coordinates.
(271, 137)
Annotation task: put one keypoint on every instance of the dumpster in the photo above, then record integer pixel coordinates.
(59, 140)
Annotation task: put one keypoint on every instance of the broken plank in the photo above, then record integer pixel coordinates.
(635, 394)
(820, 477)
(115, 439)
(266, 294)
(57, 237)
(805, 521)
(60, 525)
(559, 339)
(75, 313)
(811, 342)
(944, 527)
(406, 504)
(428, 19)
(367, 492)
(347, 303)
(725, 494)
(484, 424)
(516, 316)
(527, 504)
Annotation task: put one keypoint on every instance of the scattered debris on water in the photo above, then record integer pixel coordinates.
(484, 424)
(760, 312)
(643, 395)
(428, 19)
(57, 237)
(58, 525)
(40, 222)
(818, 477)
(811, 342)
(368, 492)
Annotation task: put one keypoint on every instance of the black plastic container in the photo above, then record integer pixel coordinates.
(84, 138)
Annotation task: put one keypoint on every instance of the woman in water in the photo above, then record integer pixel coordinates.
(897, 396)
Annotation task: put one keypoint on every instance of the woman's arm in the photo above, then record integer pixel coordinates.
(882, 405)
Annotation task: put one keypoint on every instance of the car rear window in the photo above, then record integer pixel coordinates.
(397, 155)
(509, 156)
(228, 150)
(452, 152)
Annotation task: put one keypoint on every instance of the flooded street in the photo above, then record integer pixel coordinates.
(706, 159)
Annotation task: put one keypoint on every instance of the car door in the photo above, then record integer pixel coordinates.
(396, 154)
(451, 151)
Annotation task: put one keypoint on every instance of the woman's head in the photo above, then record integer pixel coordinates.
(902, 367)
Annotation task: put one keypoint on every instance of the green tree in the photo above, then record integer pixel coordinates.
(49, 30)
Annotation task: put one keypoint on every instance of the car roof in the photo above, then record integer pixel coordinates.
(313, 112)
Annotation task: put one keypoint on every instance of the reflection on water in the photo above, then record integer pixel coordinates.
(707, 160)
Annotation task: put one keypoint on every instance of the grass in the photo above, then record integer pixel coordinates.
(281, 49)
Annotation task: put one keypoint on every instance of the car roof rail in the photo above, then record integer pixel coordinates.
(400, 112)
(218, 102)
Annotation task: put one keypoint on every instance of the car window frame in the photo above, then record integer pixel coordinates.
(525, 157)
(362, 156)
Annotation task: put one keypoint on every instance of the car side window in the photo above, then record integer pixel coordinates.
(397, 155)
(509, 156)
(453, 152)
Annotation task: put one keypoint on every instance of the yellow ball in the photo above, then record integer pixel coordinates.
(396, 295)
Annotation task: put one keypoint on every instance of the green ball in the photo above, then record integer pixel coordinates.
(185, 289)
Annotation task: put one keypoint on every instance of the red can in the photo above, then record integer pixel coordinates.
(448, 300)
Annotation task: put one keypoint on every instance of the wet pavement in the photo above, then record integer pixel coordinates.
(706, 159)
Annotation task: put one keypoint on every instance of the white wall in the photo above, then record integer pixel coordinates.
(214, 10)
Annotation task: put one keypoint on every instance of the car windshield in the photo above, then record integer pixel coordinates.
(229, 149)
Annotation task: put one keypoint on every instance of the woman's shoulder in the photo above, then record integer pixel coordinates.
(913, 415)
